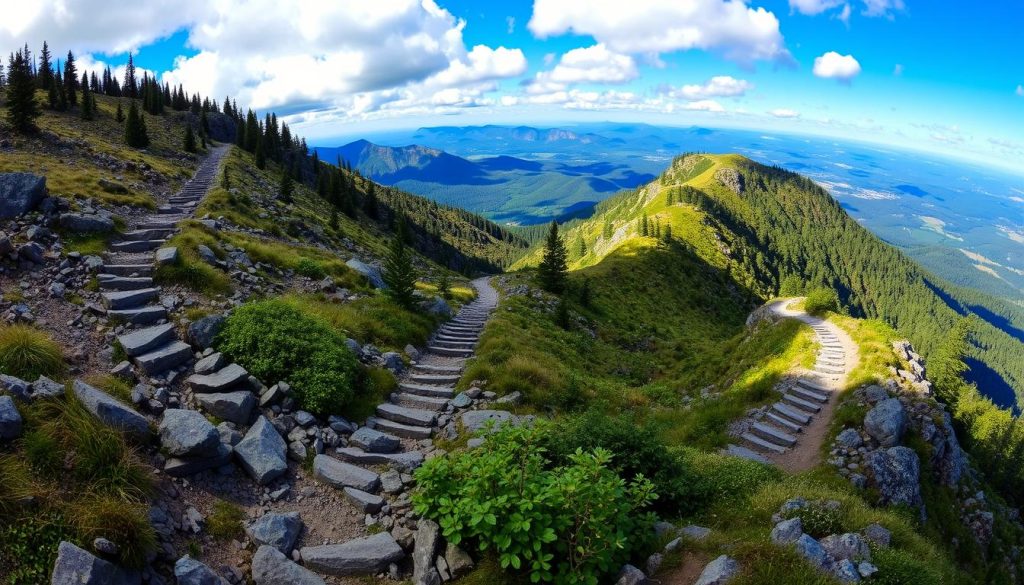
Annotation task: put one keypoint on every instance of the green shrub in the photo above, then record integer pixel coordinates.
(897, 567)
(818, 519)
(821, 300)
(574, 524)
(722, 477)
(276, 342)
(636, 450)
(226, 521)
(28, 353)
(30, 547)
(310, 268)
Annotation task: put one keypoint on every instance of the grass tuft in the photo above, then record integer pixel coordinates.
(28, 353)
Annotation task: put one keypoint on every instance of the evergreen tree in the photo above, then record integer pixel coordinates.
(53, 96)
(668, 233)
(444, 285)
(287, 187)
(334, 219)
(399, 275)
(553, 268)
(88, 109)
(71, 79)
(120, 113)
(131, 87)
(22, 109)
(370, 201)
(261, 156)
(44, 77)
(135, 128)
(608, 232)
(643, 226)
(190, 139)
(585, 292)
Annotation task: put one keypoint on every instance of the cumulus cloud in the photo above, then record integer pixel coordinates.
(832, 65)
(705, 106)
(595, 64)
(1020, 90)
(650, 27)
(884, 8)
(784, 113)
(812, 7)
(871, 8)
(718, 86)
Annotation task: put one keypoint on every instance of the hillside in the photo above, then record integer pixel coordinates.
(777, 231)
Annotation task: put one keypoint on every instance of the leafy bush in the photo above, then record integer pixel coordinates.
(821, 300)
(276, 342)
(310, 268)
(818, 519)
(636, 449)
(30, 547)
(573, 524)
(28, 353)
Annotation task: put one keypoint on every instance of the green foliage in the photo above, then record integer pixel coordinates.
(896, 567)
(30, 547)
(719, 479)
(190, 139)
(311, 269)
(374, 319)
(552, 270)
(822, 300)
(444, 285)
(571, 524)
(399, 274)
(225, 521)
(28, 353)
(818, 519)
(135, 133)
(276, 342)
(22, 109)
(287, 189)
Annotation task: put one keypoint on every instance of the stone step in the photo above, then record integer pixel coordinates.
(164, 358)
(148, 234)
(447, 330)
(784, 422)
(405, 461)
(157, 224)
(374, 441)
(457, 337)
(406, 416)
(434, 379)
(222, 380)
(430, 391)
(438, 369)
(341, 475)
(128, 269)
(448, 351)
(112, 282)
(744, 453)
(455, 344)
(417, 401)
(148, 339)
(760, 443)
(828, 370)
(169, 210)
(129, 299)
(793, 414)
(399, 429)
(139, 315)
(808, 394)
(137, 245)
(800, 403)
(772, 434)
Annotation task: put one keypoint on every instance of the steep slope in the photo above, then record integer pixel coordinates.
(777, 231)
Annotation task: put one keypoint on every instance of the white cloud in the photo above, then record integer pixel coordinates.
(705, 106)
(650, 27)
(1020, 90)
(832, 65)
(595, 64)
(897, 70)
(511, 22)
(883, 7)
(718, 86)
(784, 113)
(872, 8)
(812, 7)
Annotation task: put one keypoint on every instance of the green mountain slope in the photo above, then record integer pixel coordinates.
(774, 231)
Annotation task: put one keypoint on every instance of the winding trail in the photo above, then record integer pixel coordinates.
(790, 434)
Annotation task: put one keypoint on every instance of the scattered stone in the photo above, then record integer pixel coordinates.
(186, 433)
(373, 441)
(462, 400)
(365, 502)
(719, 571)
(86, 223)
(262, 452)
(896, 474)
(20, 193)
(277, 530)
(787, 531)
(236, 407)
(111, 412)
(630, 575)
(211, 363)
(694, 532)
(886, 422)
(340, 425)
(189, 571)
(271, 567)
(849, 438)
(371, 273)
(202, 332)
(459, 561)
(16, 386)
(393, 361)
(10, 419)
(47, 388)
(653, 563)
(361, 556)
(183, 467)
(513, 398)
(845, 571)
(428, 536)
(846, 546)
(105, 547)
(166, 256)
(341, 475)
(76, 566)
(866, 569)
(811, 549)
(219, 381)
(878, 534)
(475, 420)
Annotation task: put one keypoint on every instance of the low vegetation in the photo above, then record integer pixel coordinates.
(27, 353)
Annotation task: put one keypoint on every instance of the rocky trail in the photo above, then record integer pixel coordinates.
(791, 432)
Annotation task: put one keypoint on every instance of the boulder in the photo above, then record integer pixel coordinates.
(341, 475)
(207, 254)
(32, 252)
(372, 273)
(459, 561)
(271, 567)
(262, 452)
(812, 550)
(437, 306)
(47, 388)
(166, 256)
(236, 407)
(849, 438)
(220, 381)
(202, 332)
(393, 361)
(719, 571)
(186, 433)
(846, 546)
(189, 571)
(428, 539)
(875, 393)
(277, 530)
(183, 467)
(461, 400)
(475, 420)
(364, 502)
(210, 363)
(86, 222)
(878, 534)
(20, 193)
(17, 387)
(896, 472)
(886, 422)
(630, 575)
(362, 556)
(845, 571)
(111, 412)
(373, 441)
(76, 566)
(787, 531)
(694, 532)
(10, 419)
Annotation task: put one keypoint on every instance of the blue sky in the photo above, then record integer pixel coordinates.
(937, 76)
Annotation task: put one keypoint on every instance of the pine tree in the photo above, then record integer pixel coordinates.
(190, 139)
(643, 226)
(370, 202)
(44, 77)
(399, 275)
(71, 79)
(668, 233)
(608, 232)
(53, 96)
(334, 219)
(135, 128)
(131, 87)
(444, 285)
(287, 187)
(585, 293)
(120, 113)
(261, 156)
(22, 109)
(88, 109)
(553, 268)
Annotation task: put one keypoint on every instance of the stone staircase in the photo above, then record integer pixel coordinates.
(126, 279)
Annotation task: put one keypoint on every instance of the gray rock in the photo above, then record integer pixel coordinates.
(211, 363)
(393, 361)
(849, 438)
(886, 422)
(653, 563)
(361, 556)
(461, 400)
(365, 502)
(878, 534)
(948, 460)
(186, 433)
(787, 531)
(896, 473)
(111, 412)
(166, 256)
(57, 290)
(304, 419)
(459, 561)
(277, 530)
(374, 441)
(228, 434)
(412, 352)
(475, 420)
(202, 332)
(236, 407)
(428, 539)
(16, 387)
(262, 452)
(438, 307)
(630, 575)
(220, 381)
(512, 398)
(20, 193)
(207, 255)
(86, 222)
(694, 532)
(340, 425)
(812, 550)
(719, 571)
(866, 569)
(10, 419)
(47, 388)
(875, 393)
(391, 482)
(341, 475)
(845, 571)
(32, 252)
(297, 451)
(372, 273)
(272, 395)
(731, 178)
(189, 571)
(75, 566)
(184, 467)
(271, 567)
(846, 546)
(105, 547)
